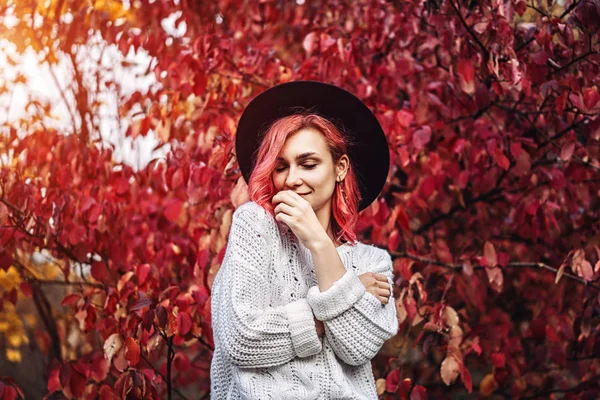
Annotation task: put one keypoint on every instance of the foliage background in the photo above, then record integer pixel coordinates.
(490, 210)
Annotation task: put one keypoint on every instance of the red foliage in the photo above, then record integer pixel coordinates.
(491, 209)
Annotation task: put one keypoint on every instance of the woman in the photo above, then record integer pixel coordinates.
(299, 306)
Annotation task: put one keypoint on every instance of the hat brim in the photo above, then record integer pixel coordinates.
(369, 153)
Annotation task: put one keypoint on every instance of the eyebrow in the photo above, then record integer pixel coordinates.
(300, 156)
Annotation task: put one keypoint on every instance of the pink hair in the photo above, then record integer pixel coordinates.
(261, 188)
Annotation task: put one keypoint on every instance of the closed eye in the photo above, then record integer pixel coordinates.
(305, 166)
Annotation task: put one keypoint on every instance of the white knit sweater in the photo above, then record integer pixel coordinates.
(263, 301)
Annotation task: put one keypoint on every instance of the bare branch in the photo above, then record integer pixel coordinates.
(479, 43)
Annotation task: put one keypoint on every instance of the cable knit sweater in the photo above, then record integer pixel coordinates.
(263, 301)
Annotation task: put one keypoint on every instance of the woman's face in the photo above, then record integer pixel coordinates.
(305, 166)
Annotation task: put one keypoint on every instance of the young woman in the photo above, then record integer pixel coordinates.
(299, 306)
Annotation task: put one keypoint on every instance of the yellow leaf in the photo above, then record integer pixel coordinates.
(9, 279)
(487, 385)
(114, 9)
(17, 339)
(13, 355)
(380, 385)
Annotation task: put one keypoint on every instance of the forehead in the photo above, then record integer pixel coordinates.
(305, 140)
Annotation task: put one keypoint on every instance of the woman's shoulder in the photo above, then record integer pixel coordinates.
(252, 213)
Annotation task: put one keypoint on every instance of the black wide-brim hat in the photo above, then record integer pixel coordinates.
(368, 151)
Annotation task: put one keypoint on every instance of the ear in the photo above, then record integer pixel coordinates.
(341, 167)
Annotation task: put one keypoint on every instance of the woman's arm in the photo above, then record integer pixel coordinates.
(356, 322)
(251, 331)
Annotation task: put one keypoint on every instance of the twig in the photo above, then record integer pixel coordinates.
(161, 375)
(457, 267)
(562, 133)
(568, 10)
(524, 44)
(208, 346)
(567, 65)
(454, 209)
(485, 51)
(65, 283)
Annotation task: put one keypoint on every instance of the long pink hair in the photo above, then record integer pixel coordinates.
(346, 196)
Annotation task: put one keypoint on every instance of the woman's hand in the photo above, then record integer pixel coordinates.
(297, 213)
(377, 285)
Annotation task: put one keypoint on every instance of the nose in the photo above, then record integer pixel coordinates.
(293, 178)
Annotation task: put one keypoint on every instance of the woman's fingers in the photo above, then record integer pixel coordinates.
(382, 299)
(378, 285)
(284, 208)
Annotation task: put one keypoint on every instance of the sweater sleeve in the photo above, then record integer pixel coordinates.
(356, 323)
(250, 330)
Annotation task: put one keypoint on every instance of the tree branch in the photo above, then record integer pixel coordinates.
(562, 133)
(568, 10)
(567, 65)
(458, 268)
(456, 208)
(161, 375)
(462, 20)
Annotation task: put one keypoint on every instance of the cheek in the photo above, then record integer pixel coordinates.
(277, 180)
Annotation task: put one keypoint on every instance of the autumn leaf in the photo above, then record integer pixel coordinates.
(449, 370)
(133, 351)
(392, 381)
(567, 151)
(466, 74)
(112, 346)
(173, 209)
(418, 393)
(70, 299)
(450, 316)
(487, 385)
(421, 137)
(184, 323)
(489, 254)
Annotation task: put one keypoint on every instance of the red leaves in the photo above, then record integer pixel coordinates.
(159, 230)
(501, 159)
(489, 254)
(493, 270)
(132, 353)
(394, 240)
(100, 272)
(184, 323)
(567, 151)
(581, 266)
(70, 299)
(392, 381)
(590, 98)
(421, 137)
(466, 75)
(520, 7)
(9, 390)
(135, 385)
(173, 209)
(142, 272)
(418, 393)
(587, 14)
